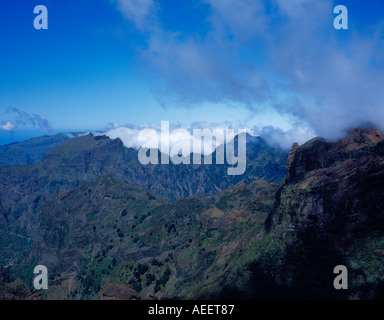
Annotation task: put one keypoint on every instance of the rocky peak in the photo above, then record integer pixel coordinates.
(291, 157)
(319, 153)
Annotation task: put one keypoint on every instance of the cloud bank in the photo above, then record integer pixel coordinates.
(284, 54)
(129, 134)
(274, 136)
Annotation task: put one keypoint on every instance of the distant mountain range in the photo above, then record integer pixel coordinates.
(31, 150)
(109, 228)
(24, 188)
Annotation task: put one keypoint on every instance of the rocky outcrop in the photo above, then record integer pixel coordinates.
(328, 178)
(319, 154)
(113, 291)
(331, 208)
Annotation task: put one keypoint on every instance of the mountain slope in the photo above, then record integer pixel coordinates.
(24, 188)
(110, 232)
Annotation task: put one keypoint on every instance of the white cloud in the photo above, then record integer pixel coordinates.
(284, 138)
(138, 11)
(286, 53)
(129, 134)
(7, 126)
(26, 120)
(244, 18)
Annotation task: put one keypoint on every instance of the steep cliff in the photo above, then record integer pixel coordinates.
(331, 208)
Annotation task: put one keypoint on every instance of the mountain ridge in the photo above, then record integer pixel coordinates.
(24, 188)
(256, 240)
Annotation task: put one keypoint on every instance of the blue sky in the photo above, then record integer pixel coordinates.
(277, 65)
